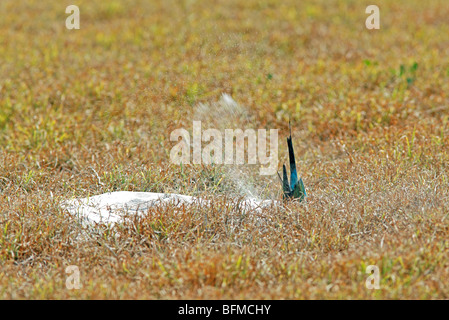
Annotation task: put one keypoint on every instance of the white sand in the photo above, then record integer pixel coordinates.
(113, 207)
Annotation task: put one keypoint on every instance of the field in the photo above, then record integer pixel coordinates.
(87, 111)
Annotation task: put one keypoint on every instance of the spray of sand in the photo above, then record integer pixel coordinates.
(228, 114)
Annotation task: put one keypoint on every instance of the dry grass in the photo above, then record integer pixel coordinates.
(88, 111)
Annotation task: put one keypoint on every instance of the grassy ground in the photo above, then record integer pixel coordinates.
(88, 111)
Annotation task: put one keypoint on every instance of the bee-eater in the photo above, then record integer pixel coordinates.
(295, 189)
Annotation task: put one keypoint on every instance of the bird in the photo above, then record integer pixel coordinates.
(295, 189)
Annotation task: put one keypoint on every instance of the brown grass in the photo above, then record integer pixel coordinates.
(87, 111)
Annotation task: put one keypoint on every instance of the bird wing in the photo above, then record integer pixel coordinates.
(299, 192)
(285, 185)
